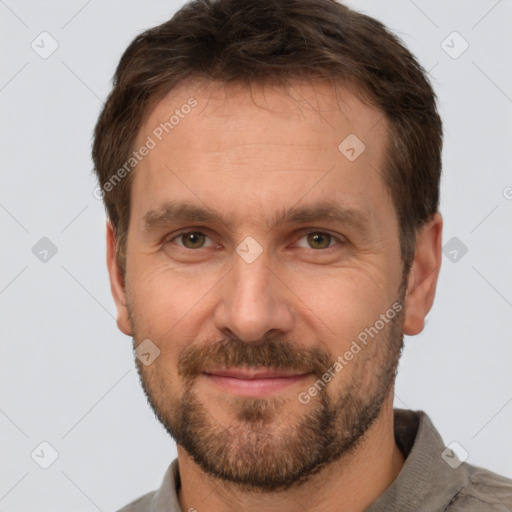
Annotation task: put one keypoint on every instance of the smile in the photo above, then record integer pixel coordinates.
(252, 382)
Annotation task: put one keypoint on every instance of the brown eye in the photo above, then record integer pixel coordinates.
(193, 240)
(319, 240)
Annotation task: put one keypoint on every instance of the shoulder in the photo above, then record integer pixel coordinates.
(142, 504)
(164, 498)
(484, 491)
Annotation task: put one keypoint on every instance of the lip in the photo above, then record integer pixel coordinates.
(253, 382)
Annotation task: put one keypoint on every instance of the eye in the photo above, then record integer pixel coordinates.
(317, 240)
(192, 240)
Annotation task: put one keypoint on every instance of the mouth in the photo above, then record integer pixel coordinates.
(254, 382)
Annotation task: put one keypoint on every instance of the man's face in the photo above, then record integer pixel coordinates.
(252, 286)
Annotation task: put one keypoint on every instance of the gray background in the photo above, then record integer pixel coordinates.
(67, 374)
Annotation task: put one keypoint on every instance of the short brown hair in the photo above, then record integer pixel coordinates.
(263, 41)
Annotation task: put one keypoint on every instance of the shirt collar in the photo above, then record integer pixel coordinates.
(166, 498)
(425, 476)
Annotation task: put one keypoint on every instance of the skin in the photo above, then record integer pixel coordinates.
(249, 155)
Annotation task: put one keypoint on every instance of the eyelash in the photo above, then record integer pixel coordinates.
(340, 240)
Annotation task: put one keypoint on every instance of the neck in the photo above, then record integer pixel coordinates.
(351, 483)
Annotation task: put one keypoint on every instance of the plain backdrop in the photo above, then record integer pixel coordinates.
(67, 374)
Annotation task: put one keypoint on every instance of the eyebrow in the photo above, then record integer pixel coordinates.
(174, 212)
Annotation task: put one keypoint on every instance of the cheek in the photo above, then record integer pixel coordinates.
(167, 303)
(339, 307)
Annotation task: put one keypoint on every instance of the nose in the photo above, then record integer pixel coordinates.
(254, 302)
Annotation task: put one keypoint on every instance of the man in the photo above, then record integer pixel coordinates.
(271, 175)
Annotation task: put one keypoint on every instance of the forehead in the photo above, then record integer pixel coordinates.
(255, 148)
(323, 107)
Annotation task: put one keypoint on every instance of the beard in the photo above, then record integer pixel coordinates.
(263, 448)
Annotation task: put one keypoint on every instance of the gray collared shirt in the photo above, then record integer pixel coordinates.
(431, 480)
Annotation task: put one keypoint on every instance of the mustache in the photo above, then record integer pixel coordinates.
(270, 352)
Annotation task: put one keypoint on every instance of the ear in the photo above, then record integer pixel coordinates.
(423, 276)
(117, 283)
